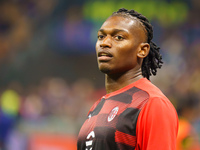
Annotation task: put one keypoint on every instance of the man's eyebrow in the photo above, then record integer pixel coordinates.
(113, 30)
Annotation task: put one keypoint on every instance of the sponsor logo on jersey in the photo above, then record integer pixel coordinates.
(112, 114)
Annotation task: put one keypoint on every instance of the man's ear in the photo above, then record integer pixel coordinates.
(143, 50)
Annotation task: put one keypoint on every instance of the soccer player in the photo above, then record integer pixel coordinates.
(134, 114)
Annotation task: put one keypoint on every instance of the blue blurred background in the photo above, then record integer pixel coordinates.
(49, 76)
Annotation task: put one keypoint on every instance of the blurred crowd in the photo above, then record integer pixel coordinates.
(37, 42)
(52, 107)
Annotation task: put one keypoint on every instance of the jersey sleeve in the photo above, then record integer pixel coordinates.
(157, 126)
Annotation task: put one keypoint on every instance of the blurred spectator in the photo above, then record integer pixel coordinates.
(188, 114)
(32, 107)
(9, 110)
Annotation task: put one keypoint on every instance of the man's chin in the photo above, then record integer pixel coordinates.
(105, 70)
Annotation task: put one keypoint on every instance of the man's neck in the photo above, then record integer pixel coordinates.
(114, 82)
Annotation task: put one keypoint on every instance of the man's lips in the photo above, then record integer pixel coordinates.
(104, 56)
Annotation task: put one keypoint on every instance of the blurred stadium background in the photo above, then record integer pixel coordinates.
(48, 71)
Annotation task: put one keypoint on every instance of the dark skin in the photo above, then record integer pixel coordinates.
(120, 48)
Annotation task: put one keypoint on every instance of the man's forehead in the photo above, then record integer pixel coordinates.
(128, 16)
(130, 25)
(119, 21)
(122, 23)
(112, 30)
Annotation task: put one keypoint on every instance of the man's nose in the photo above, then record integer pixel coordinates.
(106, 42)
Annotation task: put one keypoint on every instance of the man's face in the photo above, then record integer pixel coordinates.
(119, 41)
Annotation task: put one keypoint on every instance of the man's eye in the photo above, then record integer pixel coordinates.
(100, 37)
(119, 37)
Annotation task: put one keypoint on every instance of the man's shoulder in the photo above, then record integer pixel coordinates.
(152, 90)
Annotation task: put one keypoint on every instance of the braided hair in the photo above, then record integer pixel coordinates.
(154, 59)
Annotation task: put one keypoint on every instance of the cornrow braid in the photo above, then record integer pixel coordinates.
(153, 61)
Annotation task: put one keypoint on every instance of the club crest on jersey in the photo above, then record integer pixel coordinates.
(113, 113)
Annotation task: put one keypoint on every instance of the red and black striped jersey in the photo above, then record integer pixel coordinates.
(135, 117)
